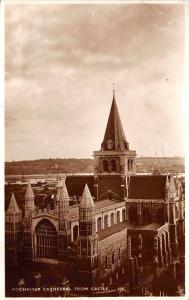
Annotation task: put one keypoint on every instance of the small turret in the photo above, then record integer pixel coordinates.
(64, 233)
(172, 219)
(86, 199)
(88, 239)
(29, 208)
(13, 207)
(13, 228)
(29, 200)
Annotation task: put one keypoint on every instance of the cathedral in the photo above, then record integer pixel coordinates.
(122, 223)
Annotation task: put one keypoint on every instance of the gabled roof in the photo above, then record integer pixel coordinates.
(114, 130)
(86, 199)
(147, 187)
(29, 192)
(13, 206)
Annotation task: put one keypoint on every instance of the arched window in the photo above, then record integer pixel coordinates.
(112, 219)
(146, 216)
(99, 224)
(160, 216)
(133, 215)
(176, 212)
(75, 232)
(118, 216)
(131, 165)
(113, 258)
(105, 221)
(105, 165)
(113, 165)
(46, 240)
(119, 253)
(106, 262)
(128, 164)
(123, 215)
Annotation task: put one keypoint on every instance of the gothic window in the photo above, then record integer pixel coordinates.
(132, 215)
(46, 240)
(99, 224)
(105, 165)
(118, 217)
(134, 246)
(148, 243)
(160, 216)
(119, 253)
(75, 232)
(146, 216)
(131, 165)
(105, 221)
(113, 258)
(176, 212)
(113, 165)
(128, 164)
(106, 262)
(123, 215)
(112, 219)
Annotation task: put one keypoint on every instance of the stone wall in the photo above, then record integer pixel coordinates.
(112, 256)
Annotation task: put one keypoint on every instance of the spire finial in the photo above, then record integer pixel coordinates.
(113, 90)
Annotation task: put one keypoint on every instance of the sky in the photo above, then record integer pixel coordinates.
(61, 61)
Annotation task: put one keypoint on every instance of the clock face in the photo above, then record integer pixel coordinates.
(109, 144)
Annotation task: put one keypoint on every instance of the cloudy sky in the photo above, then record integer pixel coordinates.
(61, 61)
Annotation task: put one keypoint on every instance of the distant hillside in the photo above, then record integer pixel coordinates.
(73, 165)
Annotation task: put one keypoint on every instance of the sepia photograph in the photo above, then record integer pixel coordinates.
(94, 176)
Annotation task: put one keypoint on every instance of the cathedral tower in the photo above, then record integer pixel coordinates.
(114, 161)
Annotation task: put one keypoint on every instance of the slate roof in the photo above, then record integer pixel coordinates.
(114, 130)
(147, 187)
(126, 226)
(104, 203)
(75, 184)
(111, 230)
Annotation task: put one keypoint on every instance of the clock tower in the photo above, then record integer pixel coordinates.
(114, 161)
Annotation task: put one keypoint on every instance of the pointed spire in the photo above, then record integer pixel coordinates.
(86, 199)
(13, 206)
(63, 191)
(29, 195)
(114, 138)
